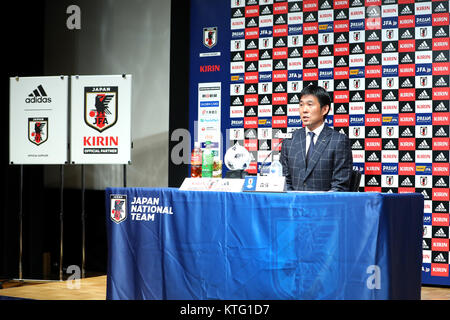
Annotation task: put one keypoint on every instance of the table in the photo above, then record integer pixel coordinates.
(164, 243)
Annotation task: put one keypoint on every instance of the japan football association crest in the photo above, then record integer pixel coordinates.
(37, 130)
(210, 37)
(100, 107)
(118, 205)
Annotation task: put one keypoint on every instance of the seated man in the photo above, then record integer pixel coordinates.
(316, 158)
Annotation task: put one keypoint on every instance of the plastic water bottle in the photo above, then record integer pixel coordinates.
(276, 169)
(207, 161)
(196, 161)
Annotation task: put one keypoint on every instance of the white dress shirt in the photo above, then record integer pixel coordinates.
(317, 132)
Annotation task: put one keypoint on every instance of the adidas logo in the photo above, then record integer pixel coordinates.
(440, 8)
(357, 97)
(251, 45)
(390, 96)
(440, 107)
(280, 65)
(441, 82)
(295, 8)
(310, 41)
(440, 232)
(251, 23)
(341, 109)
(237, 57)
(406, 59)
(341, 39)
(251, 112)
(280, 20)
(373, 12)
(389, 48)
(310, 18)
(341, 15)
(310, 64)
(424, 96)
(357, 49)
(407, 84)
(441, 33)
(251, 134)
(439, 257)
(441, 183)
(406, 35)
(407, 133)
(265, 100)
(341, 63)
(441, 132)
(251, 89)
(266, 10)
(373, 37)
(390, 145)
(407, 157)
(424, 46)
(373, 84)
(407, 108)
(373, 108)
(373, 60)
(251, 67)
(265, 55)
(406, 10)
(325, 5)
(280, 87)
(325, 51)
(373, 157)
(295, 53)
(425, 194)
(423, 145)
(238, 14)
(280, 43)
(407, 182)
(424, 245)
(38, 96)
(441, 57)
(237, 101)
(264, 146)
(373, 182)
(279, 111)
(294, 99)
(341, 85)
(356, 145)
(441, 157)
(373, 133)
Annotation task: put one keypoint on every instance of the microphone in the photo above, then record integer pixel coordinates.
(283, 137)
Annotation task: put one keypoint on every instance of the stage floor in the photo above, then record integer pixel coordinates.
(94, 288)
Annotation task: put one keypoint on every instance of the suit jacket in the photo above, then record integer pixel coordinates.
(330, 167)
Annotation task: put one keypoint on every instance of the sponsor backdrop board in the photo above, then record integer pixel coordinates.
(38, 120)
(100, 130)
(386, 65)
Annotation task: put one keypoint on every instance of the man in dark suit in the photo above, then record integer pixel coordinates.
(316, 158)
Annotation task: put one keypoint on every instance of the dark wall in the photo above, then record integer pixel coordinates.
(179, 82)
(23, 37)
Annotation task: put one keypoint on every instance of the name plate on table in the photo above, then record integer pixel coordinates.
(264, 184)
(212, 184)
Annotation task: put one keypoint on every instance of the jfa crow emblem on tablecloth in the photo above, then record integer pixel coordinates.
(100, 107)
(118, 211)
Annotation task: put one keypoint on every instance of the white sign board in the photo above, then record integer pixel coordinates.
(212, 184)
(100, 125)
(209, 109)
(38, 120)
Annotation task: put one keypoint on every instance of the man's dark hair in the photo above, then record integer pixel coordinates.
(320, 93)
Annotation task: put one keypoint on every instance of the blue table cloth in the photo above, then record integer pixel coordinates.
(165, 243)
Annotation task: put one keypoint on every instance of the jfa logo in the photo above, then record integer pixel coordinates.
(118, 205)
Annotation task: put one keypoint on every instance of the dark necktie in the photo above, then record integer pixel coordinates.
(311, 147)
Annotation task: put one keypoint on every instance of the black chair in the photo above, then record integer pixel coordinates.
(355, 180)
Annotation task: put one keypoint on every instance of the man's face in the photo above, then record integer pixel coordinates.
(310, 111)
